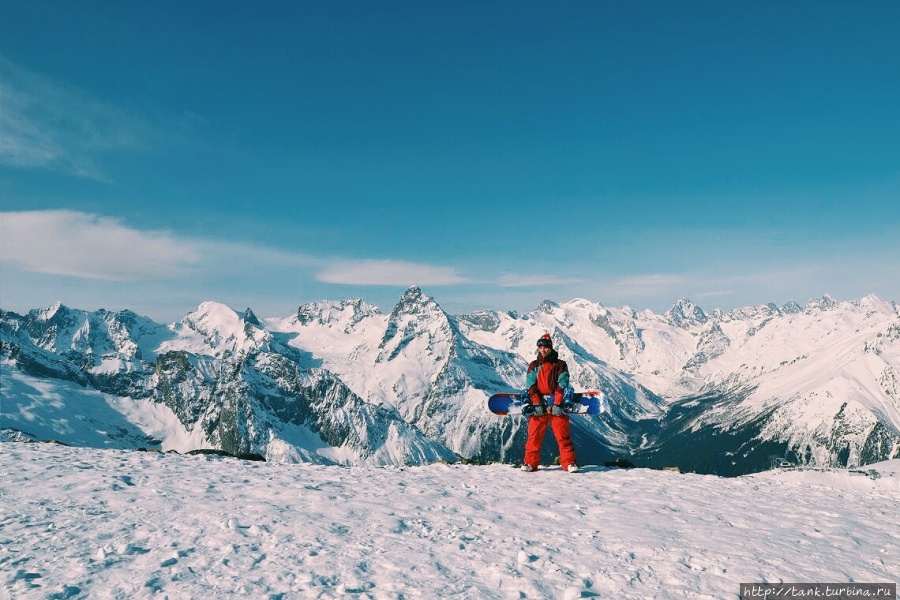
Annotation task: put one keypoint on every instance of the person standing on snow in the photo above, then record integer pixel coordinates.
(548, 376)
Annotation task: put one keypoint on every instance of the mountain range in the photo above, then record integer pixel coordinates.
(341, 382)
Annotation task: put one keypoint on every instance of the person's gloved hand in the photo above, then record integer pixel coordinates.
(530, 403)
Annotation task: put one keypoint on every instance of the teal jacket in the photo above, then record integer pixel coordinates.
(546, 376)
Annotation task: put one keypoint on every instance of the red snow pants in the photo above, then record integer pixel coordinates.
(537, 428)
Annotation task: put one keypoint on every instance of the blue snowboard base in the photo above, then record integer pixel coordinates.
(585, 403)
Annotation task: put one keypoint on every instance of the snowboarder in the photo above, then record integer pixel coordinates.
(548, 376)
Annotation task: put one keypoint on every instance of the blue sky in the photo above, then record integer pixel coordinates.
(154, 155)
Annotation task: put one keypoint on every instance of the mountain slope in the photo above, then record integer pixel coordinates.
(342, 382)
(226, 381)
(430, 367)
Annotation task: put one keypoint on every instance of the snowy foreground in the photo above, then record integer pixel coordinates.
(86, 523)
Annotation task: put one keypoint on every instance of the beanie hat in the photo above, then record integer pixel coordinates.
(545, 341)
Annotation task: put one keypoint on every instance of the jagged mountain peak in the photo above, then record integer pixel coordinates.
(685, 313)
(415, 311)
(56, 313)
(483, 320)
(60, 328)
(251, 319)
(221, 329)
(414, 315)
(211, 312)
(415, 301)
(50, 312)
(412, 292)
(345, 313)
(749, 313)
(61, 316)
(547, 306)
(791, 308)
(308, 377)
(102, 339)
(871, 302)
(826, 302)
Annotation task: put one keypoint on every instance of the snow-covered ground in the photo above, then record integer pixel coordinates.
(88, 523)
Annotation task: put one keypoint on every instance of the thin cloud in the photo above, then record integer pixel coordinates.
(651, 281)
(88, 246)
(388, 273)
(49, 125)
(522, 281)
(76, 244)
(713, 294)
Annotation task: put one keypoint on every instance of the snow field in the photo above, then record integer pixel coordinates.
(86, 523)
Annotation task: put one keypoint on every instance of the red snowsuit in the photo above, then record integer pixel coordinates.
(548, 376)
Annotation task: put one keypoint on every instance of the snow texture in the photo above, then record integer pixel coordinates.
(91, 523)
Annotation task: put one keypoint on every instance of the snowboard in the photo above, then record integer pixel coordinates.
(584, 403)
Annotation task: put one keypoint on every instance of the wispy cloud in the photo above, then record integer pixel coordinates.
(88, 246)
(713, 294)
(50, 255)
(63, 242)
(389, 272)
(47, 124)
(655, 281)
(650, 285)
(511, 280)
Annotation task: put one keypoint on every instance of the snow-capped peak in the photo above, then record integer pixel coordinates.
(49, 313)
(219, 330)
(415, 314)
(826, 302)
(685, 314)
(822, 380)
(343, 314)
